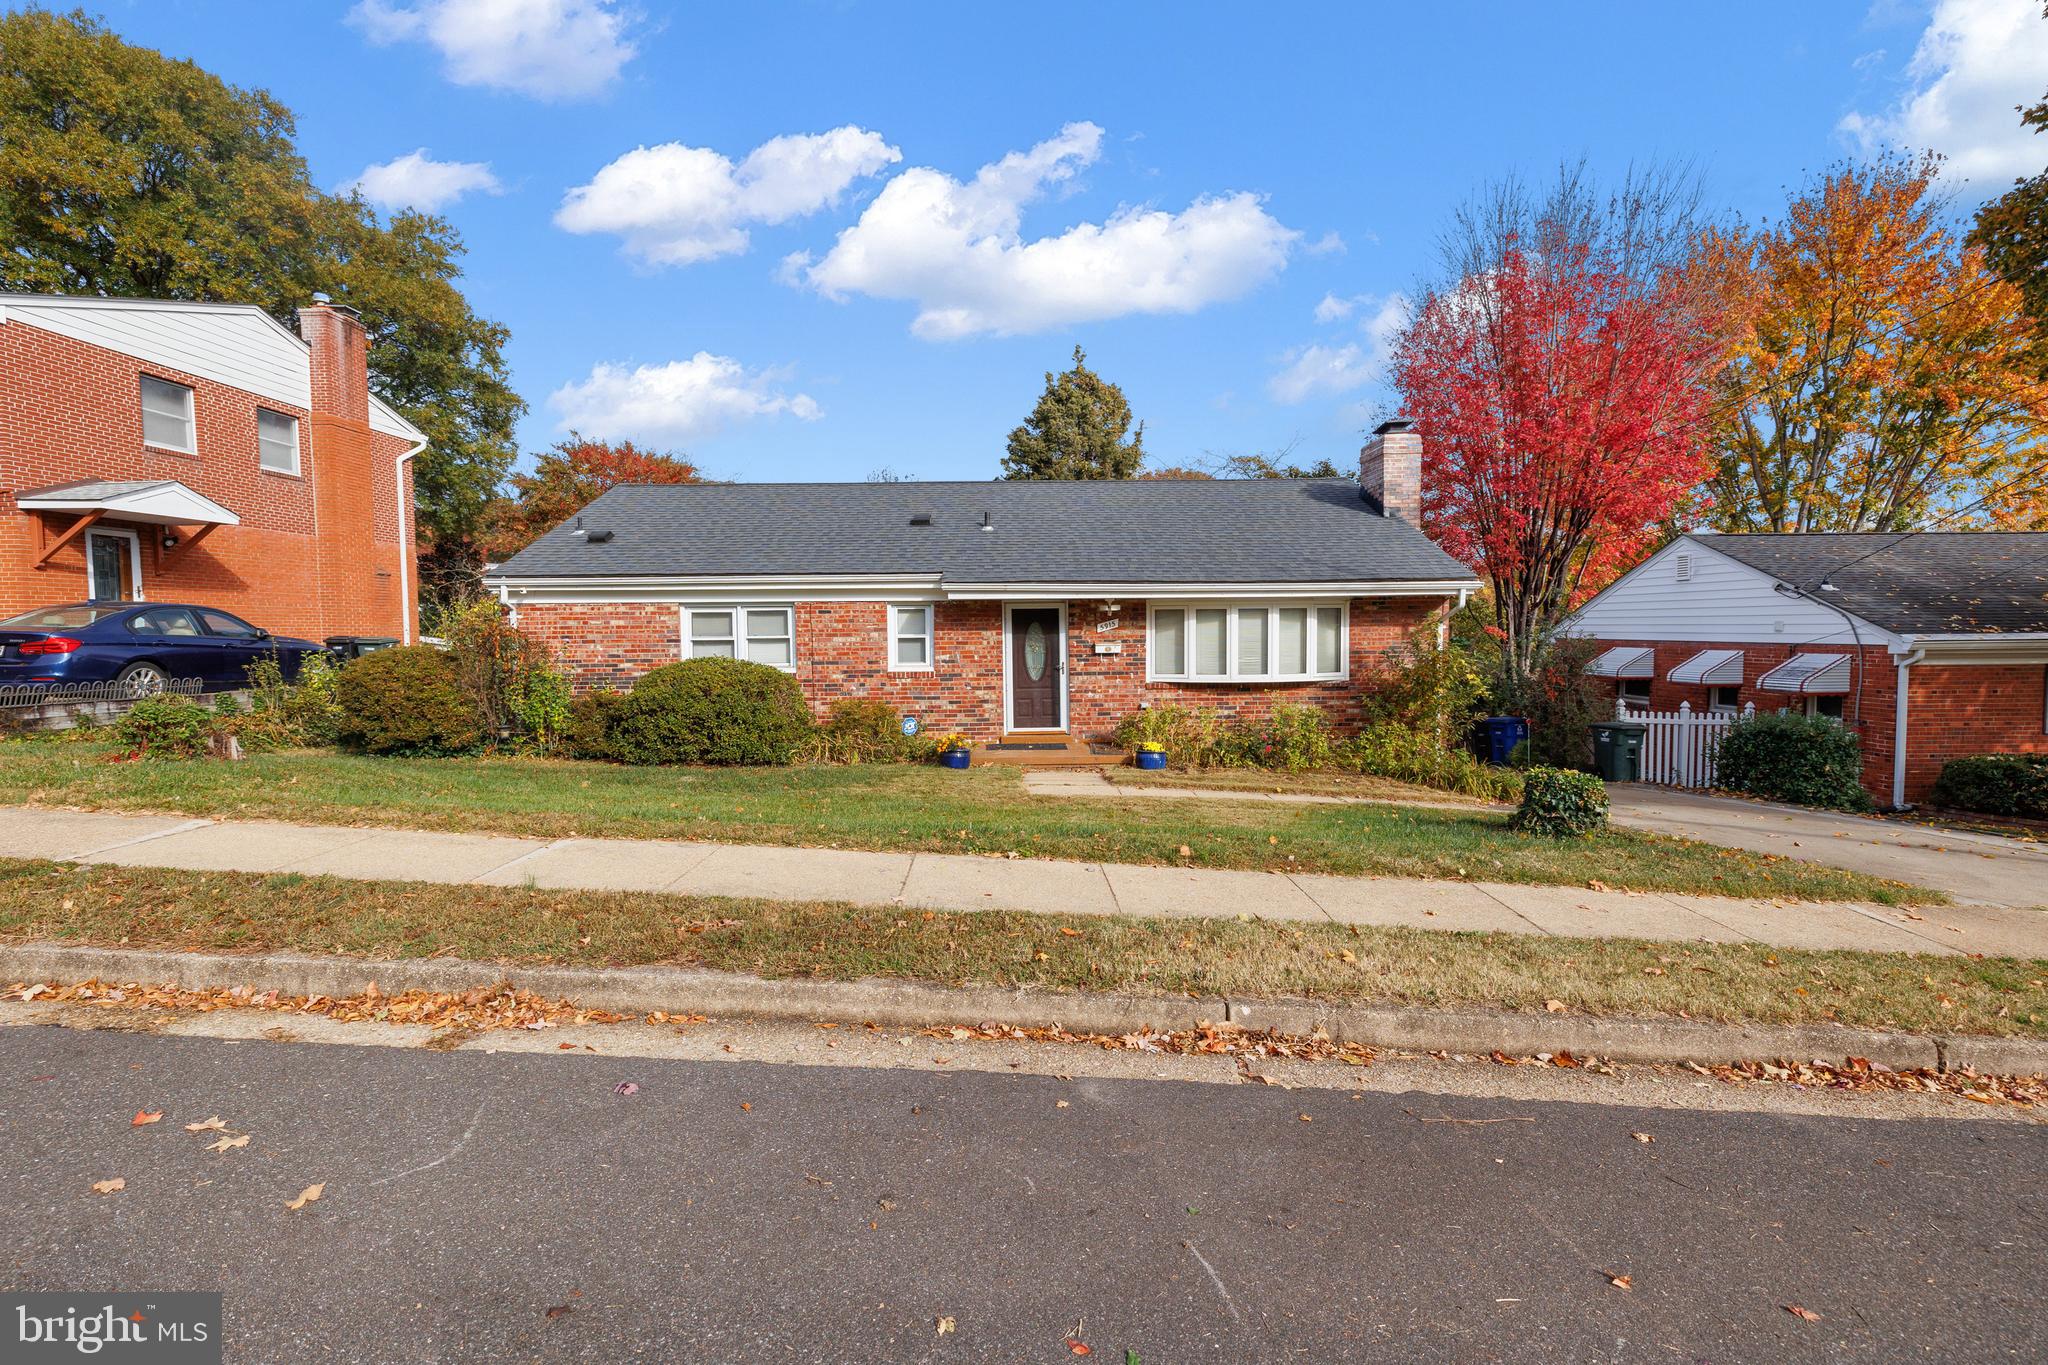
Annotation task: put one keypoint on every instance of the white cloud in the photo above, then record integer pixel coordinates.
(417, 181)
(1318, 370)
(675, 205)
(958, 252)
(554, 49)
(681, 401)
(1976, 62)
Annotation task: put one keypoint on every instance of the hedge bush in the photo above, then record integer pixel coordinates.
(408, 700)
(165, 727)
(863, 730)
(715, 711)
(1560, 803)
(587, 732)
(1807, 760)
(1185, 735)
(300, 714)
(511, 674)
(2014, 785)
(1402, 754)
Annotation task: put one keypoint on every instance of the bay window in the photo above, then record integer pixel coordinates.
(762, 635)
(1246, 642)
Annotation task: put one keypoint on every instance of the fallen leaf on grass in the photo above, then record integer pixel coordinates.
(307, 1196)
(1620, 1282)
(109, 1186)
(228, 1144)
(143, 1116)
(212, 1125)
(945, 1325)
(1070, 933)
(1807, 1313)
(1554, 1006)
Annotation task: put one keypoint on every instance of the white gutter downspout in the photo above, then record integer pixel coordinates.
(1904, 667)
(406, 546)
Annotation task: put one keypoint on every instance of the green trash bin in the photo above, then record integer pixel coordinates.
(1618, 749)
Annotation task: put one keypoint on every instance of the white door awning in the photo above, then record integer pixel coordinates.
(1809, 675)
(1711, 668)
(160, 502)
(1625, 661)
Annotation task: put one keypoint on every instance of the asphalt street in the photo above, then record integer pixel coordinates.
(739, 1210)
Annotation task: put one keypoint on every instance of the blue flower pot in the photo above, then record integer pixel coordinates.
(1150, 759)
(954, 758)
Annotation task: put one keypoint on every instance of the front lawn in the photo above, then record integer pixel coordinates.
(244, 912)
(907, 807)
(1361, 785)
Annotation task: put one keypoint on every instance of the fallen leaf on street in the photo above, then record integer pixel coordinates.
(1080, 1348)
(1059, 1104)
(109, 1186)
(945, 1325)
(143, 1116)
(1620, 1282)
(1796, 1311)
(560, 1310)
(1305, 1118)
(228, 1144)
(747, 1107)
(212, 1125)
(626, 1088)
(1643, 1137)
(307, 1196)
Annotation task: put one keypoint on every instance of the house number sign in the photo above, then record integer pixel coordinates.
(1108, 625)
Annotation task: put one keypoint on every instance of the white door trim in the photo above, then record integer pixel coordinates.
(1059, 661)
(134, 560)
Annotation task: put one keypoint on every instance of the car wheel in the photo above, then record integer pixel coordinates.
(141, 680)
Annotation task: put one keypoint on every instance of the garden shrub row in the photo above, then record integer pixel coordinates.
(2013, 785)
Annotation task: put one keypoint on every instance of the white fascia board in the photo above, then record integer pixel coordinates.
(731, 588)
(2016, 647)
(1206, 592)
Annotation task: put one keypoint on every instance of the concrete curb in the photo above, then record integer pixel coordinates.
(901, 1004)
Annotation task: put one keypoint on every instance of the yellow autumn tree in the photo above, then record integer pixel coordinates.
(1881, 377)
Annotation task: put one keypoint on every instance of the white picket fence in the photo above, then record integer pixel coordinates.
(1679, 746)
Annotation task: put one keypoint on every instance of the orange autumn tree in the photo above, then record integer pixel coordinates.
(1881, 378)
(569, 477)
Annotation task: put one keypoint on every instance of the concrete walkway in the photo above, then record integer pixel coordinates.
(1038, 885)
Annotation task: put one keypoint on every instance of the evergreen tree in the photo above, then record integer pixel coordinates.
(1076, 431)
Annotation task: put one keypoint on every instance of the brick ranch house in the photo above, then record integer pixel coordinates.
(1023, 613)
(1931, 645)
(202, 452)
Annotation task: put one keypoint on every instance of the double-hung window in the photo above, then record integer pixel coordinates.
(1247, 642)
(167, 415)
(277, 441)
(910, 638)
(760, 634)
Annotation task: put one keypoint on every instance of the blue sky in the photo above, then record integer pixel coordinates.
(1217, 201)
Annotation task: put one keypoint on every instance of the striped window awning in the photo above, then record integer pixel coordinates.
(1711, 668)
(1809, 675)
(1625, 661)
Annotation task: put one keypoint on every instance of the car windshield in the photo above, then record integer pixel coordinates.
(63, 618)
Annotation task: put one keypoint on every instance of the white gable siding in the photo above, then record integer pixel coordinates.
(236, 346)
(1720, 600)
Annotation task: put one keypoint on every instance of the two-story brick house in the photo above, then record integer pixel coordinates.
(202, 452)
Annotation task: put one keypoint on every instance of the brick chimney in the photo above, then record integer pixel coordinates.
(1390, 470)
(352, 597)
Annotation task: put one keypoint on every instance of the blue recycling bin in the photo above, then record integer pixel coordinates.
(1498, 737)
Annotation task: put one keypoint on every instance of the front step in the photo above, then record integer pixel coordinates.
(1041, 749)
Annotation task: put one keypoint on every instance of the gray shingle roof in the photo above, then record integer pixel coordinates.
(1138, 531)
(1922, 583)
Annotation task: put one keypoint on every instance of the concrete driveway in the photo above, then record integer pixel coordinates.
(1977, 869)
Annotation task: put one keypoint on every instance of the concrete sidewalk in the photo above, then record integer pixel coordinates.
(1041, 886)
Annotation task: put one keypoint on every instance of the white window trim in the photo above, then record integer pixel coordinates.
(191, 413)
(1715, 708)
(1230, 609)
(293, 470)
(738, 639)
(929, 635)
(134, 560)
(1632, 705)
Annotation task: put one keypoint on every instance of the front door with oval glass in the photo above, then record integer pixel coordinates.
(1037, 668)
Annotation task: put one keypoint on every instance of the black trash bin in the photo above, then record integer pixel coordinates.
(346, 647)
(1618, 749)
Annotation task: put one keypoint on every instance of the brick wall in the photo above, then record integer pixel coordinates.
(69, 410)
(843, 649)
(1955, 709)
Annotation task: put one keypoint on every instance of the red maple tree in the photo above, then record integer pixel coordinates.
(567, 478)
(1562, 400)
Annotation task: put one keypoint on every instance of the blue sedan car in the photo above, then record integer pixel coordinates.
(140, 646)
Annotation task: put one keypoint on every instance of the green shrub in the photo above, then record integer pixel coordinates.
(1421, 756)
(301, 714)
(586, 733)
(1424, 687)
(1187, 736)
(1292, 738)
(862, 730)
(1807, 760)
(718, 711)
(165, 727)
(408, 700)
(1996, 784)
(1560, 803)
(511, 675)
